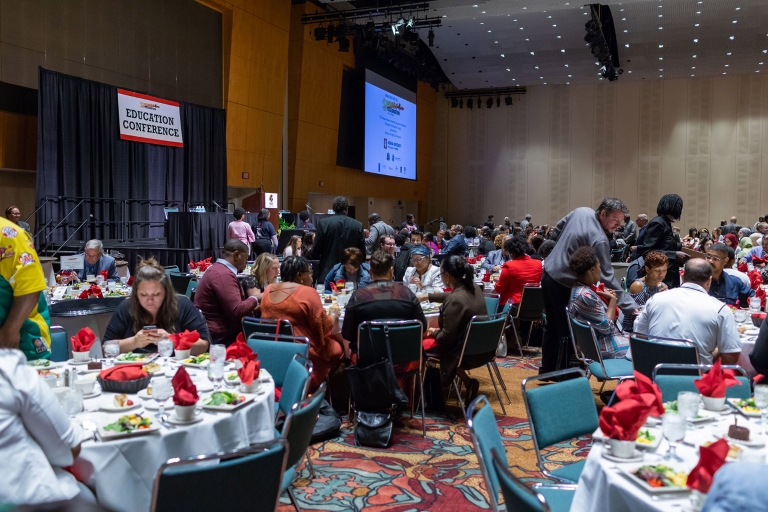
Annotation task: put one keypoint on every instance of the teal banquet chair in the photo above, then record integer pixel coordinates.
(648, 352)
(559, 412)
(59, 351)
(539, 498)
(295, 384)
(252, 325)
(275, 357)
(667, 377)
(223, 481)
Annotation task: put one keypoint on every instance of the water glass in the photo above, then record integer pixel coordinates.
(112, 350)
(761, 401)
(688, 404)
(320, 288)
(162, 390)
(72, 402)
(342, 299)
(740, 315)
(218, 352)
(124, 281)
(754, 303)
(216, 373)
(673, 426)
(99, 280)
(165, 348)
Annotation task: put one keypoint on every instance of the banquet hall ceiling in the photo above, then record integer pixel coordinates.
(499, 43)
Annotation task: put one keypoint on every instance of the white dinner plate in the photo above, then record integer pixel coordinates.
(235, 380)
(176, 421)
(754, 442)
(225, 407)
(138, 361)
(108, 435)
(50, 366)
(628, 471)
(203, 385)
(144, 395)
(75, 363)
(109, 406)
(154, 406)
(636, 457)
(92, 395)
(734, 401)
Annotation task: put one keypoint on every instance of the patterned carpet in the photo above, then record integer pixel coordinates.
(439, 472)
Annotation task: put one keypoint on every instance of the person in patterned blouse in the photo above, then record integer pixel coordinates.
(655, 268)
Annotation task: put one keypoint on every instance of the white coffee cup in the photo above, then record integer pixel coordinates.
(713, 404)
(182, 354)
(622, 449)
(81, 356)
(51, 380)
(252, 388)
(185, 412)
(85, 386)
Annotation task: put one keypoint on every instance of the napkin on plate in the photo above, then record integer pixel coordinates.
(250, 369)
(83, 340)
(184, 340)
(710, 459)
(714, 382)
(184, 390)
(642, 389)
(239, 348)
(124, 372)
(623, 420)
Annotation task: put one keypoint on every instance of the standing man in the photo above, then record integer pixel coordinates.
(489, 223)
(95, 261)
(582, 227)
(334, 234)
(377, 228)
(527, 221)
(24, 320)
(630, 231)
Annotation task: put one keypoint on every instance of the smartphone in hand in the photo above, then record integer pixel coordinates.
(150, 328)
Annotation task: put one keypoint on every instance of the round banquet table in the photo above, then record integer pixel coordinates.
(603, 486)
(122, 471)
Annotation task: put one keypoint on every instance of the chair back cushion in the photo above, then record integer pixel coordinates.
(671, 385)
(486, 437)
(253, 325)
(492, 303)
(516, 497)
(404, 341)
(561, 411)
(646, 354)
(200, 485)
(275, 357)
(180, 282)
(584, 339)
(484, 336)
(59, 350)
(300, 424)
(531, 303)
(294, 385)
(191, 287)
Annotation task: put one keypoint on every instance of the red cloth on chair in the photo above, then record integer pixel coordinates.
(428, 343)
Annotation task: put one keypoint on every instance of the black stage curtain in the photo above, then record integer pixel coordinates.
(80, 155)
(191, 230)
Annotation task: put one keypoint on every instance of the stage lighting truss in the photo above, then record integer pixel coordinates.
(475, 97)
(599, 44)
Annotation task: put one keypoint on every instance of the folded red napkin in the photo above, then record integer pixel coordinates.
(250, 369)
(487, 277)
(644, 390)
(471, 261)
(201, 265)
(93, 292)
(340, 283)
(238, 349)
(714, 382)
(124, 372)
(755, 259)
(184, 390)
(623, 420)
(757, 378)
(755, 279)
(332, 286)
(742, 267)
(130, 281)
(600, 287)
(760, 294)
(710, 459)
(184, 340)
(104, 274)
(83, 340)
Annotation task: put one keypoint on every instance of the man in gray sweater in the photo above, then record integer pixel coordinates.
(377, 228)
(582, 227)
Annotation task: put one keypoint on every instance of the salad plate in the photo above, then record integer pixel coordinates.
(702, 417)
(109, 406)
(43, 364)
(647, 437)
(656, 479)
(745, 406)
(224, 401)
(131, 358)
(127, 426)
(201, 361)
(77, 363)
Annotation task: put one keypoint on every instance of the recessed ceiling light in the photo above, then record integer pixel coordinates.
(474, 5)
(482, 23)
(661, 28)
(735, 21)
(626, 46)
(661, 58)
(623, 19)
(732, 38)
(521, 28)
(691, 75)
(514, 20)
(760, 63)
(661, 76)
(629, 71)
(536, 67)
(695, 40)
(729, 53)
(698, 12)
(566, 65)
(726, 65)
(558, 37)
(569, 76)
(502, 55)
(549, 17)
(496, 42)
(723, 72)
(541, 78)
(661, 15)
(531, 53)
(525, 8)
(624, 31)
(661, 69)
(765, 51)
(696, 25)
(661, 46)
(507, 69)
(694, 56)
(567, 83)
(482, 12)
(554, 25)
(738, 8)
(489, 31)
(693, 67)
(527, 39)
(562, 50)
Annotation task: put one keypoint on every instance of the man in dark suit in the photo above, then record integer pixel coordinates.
(95, 261)
(334, 234)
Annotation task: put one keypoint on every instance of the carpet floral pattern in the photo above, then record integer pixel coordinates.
(439, 472)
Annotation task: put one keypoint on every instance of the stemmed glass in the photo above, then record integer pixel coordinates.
(124, 281)
(673, 426)
(72, 402)
(688, 404)
(216, 373)
(161, 391)
(165, 348)
(217, 352)
(112, 350)
(761, 401)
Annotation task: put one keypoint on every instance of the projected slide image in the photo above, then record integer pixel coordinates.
(390, 134)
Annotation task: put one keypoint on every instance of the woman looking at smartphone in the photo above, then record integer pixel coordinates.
(152, 312)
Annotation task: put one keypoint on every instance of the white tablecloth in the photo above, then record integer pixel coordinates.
(603, 488)
(747, 344)
(122, 471)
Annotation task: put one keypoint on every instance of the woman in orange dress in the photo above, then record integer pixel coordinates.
(295, 300)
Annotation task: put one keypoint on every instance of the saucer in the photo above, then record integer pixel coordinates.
(92, 395)
(176, 421)
(77, 363)
(637, 457)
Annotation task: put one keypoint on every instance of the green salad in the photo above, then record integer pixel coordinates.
(223, 398)
(130, 356)
(129, 423)
(232, 376)
(644, 436)
(40, 363)
(198, 359)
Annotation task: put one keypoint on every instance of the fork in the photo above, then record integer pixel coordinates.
(164, 421)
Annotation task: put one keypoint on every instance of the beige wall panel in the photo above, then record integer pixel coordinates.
(626, 129)
(539, 107)
(582, 140)
(496, 164)
(457, 159)
(723, 148)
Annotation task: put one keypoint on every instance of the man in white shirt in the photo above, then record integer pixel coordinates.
(37, 439)
(690, 313)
